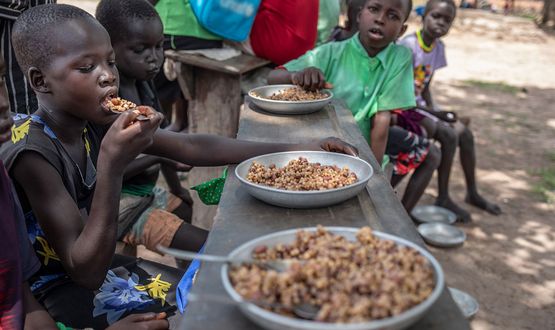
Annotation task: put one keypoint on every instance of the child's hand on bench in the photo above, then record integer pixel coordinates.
(333, 144)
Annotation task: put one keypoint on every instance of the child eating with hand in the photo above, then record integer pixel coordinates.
(148, 215)
(68, 159)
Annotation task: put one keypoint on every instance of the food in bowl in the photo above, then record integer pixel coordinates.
(295, 94)
(348, 281)
(300, 174)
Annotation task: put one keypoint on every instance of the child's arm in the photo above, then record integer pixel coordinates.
(214, 150)
(35, 315)
(447, 116)
(310, 78)
(378, 138)
(174, 184)
(85, 245)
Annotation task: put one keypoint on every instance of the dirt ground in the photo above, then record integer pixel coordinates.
(501, 73)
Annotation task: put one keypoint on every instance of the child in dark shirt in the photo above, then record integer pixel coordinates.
(67, 162)
(148, 215)
(18, 308)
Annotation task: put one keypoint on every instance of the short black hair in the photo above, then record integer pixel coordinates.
(115, 16)
(31, 35)
(432, 3)
(362, 3)
(353, 8)
(409, 10)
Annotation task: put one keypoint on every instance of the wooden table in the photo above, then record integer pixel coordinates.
(240, 217)
(213, 90)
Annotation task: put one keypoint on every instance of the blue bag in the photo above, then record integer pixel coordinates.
(230, 19)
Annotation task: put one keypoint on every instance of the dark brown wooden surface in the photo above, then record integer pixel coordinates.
(213, 90)
(235, 65)
(240, 217)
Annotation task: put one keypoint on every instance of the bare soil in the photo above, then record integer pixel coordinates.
(501, 73)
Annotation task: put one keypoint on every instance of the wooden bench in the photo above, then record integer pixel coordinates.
(241, 217)
(213, 90)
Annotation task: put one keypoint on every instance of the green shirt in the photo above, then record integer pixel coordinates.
(328, 18)
(367, 84)
(179, 19)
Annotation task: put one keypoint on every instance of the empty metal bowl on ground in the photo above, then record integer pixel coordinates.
(432, 213)
(259, 97)
(467, 304)
(305, 199)
(274, 321)
(441, 234)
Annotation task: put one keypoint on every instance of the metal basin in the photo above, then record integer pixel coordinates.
(286, 107)
(467, 304)
(274, 321)
(305, 199)
(432, 213)
(441, 234)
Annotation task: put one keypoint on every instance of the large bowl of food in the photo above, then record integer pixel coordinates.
(304, 179)
(356, 279)
(289, 99)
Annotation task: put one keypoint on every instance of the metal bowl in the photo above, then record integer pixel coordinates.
(286, 107)
(441, 234)
(305, 199)
(467, 304)
(432, 213)
(274, 321)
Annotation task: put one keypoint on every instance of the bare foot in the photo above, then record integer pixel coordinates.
(481, 202)
(462, 215)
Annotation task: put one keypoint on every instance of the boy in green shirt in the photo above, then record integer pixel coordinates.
(373, 76)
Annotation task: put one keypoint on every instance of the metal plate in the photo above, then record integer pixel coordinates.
(270, 320)
(468, 305)
(306, 199)
(441, 234)
(286, 107)
(432, 213)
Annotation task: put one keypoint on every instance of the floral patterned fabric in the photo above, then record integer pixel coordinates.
(131, 286)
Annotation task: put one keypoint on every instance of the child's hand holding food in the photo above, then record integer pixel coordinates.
(128, 137)
(310, 78)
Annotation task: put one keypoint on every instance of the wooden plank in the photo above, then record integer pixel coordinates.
(235, 65)
(240, 217)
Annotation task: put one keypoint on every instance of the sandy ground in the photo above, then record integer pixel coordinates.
(508, 261)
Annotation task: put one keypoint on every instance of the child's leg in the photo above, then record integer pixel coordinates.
(468, 162)
(409, 151)
(420, 178)
(448, 139)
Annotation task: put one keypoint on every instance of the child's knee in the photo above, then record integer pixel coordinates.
(447, 136)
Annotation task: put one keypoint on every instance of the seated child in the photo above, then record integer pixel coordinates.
(351, 26)
(427, 120)
(18, 261)
(373, 76)
(67, 163)
(148, 215)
